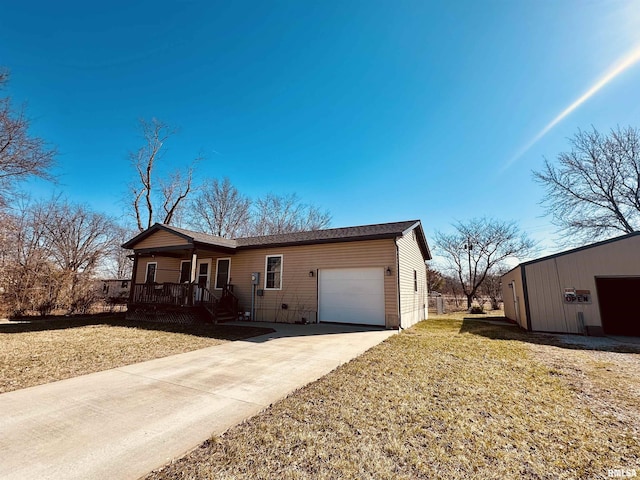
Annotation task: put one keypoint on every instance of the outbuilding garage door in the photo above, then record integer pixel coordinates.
(616, 297)
(351, 295)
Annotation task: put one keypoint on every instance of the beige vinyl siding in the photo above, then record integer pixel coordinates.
(167, 271)
(161, 238)
(412, 303)
(513, 297)
(299, 290)
(547, 279)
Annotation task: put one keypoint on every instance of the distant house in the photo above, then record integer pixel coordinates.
(587, 290)
(114, 287)
(372, 274)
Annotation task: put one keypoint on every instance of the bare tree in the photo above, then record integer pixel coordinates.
(478, 247)
(117, 264)
(29, 281)
(220, 209)
(435, 280)
(78, 238)
(21, 155)
(78, 241)
(492, 287)
(170, 192)
(275, 214)
(594, 191)
(451, 288)
(50, 252)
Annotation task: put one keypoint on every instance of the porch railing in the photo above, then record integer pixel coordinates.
(229, 301)
(184, 294)
(205, 298)
(161, 293)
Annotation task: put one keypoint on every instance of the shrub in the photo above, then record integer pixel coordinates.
(476, 309)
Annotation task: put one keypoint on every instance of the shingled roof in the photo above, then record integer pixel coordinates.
(329, 235)
(382, 230)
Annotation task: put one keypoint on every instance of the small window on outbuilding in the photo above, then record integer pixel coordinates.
(415, 281)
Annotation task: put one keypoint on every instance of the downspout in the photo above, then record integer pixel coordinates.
(398, 282)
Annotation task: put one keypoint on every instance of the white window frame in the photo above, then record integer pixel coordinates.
(200, 262)
(415, 281)
(215, 284)
(146, 272)
(266, 266)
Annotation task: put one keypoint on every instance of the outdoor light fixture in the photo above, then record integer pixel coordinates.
(388, 271)
(311, 273)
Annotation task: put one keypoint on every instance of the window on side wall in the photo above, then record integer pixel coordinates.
(223, 266)
(273, 272)
(415, 281)
(151, 272)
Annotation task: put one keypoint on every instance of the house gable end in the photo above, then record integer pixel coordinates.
(420, 238)
(159, 238)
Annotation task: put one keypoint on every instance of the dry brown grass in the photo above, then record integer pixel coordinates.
(44, 351)
(446, 399)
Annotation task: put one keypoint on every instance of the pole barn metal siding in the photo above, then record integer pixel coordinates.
(513, 297)
(546, 280)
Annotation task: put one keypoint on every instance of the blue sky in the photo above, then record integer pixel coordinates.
(375, 110)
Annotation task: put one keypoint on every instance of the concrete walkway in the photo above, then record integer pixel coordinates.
(125, 422)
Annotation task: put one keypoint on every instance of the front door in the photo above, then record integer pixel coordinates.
(203, 277)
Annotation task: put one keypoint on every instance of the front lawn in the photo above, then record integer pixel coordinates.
(44, 351)
(446, 399)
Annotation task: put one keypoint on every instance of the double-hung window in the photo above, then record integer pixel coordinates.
(273, 272)
(151, 272)
(185, 271)
(223, 266)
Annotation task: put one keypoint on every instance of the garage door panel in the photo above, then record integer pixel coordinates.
(352, 295)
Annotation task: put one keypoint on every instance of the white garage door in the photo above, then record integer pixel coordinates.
(351, 295)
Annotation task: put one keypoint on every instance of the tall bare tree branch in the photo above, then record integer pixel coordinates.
(220, 209)
(275, 214)
(593, 190)
(22, 155)
(170, 192)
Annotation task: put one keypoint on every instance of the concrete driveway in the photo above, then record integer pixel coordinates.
(125, 422)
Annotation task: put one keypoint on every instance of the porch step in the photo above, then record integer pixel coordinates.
(226, 317)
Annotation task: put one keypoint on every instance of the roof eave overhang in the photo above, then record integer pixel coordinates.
(179, 248)
(320, 241)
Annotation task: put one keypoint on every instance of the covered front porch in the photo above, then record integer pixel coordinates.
(181, 283)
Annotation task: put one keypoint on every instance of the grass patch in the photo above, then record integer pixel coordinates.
(44, 351)
(445, 399)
